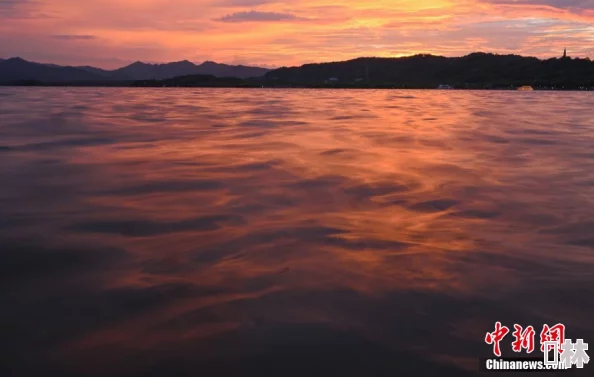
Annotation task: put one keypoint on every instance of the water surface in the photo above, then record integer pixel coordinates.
(214, 232)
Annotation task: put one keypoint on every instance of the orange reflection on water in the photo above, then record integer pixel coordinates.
(229, 213)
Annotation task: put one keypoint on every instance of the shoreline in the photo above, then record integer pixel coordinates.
(87, 85)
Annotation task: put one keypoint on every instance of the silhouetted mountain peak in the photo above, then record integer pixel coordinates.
(17, 59)
(479, 53)
(138, 63)
(183, 63)
(17, 68)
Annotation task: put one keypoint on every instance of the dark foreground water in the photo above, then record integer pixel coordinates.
(289, 232)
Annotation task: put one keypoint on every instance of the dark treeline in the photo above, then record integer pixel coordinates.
(199, 81)
(207, 81)
(80, 83)
(478, 70)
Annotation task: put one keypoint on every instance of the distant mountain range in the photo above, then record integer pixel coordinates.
(17, 69)
(474, 71)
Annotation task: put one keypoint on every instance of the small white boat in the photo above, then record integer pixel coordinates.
(445, 87)
(526, 88)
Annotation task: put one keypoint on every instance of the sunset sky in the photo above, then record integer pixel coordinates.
(112, 33)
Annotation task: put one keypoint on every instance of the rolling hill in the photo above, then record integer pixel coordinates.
(474, 70)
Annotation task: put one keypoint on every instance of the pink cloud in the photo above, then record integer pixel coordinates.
(109, 32)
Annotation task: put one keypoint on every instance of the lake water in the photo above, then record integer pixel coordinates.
(215, 232)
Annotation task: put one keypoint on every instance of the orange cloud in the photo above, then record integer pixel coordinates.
(287, 32)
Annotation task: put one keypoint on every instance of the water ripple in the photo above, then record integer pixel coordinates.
(151, 232)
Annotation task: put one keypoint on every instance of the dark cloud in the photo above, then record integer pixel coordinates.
(244, 3)
(5, 4)
(9, 6)
(255, 16)
(572, 5)
(143, 228)
(74, 37)
(20, 9)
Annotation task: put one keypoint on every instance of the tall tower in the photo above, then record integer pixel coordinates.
(565, 53)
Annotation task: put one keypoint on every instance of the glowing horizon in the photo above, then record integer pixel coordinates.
(269, 33)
